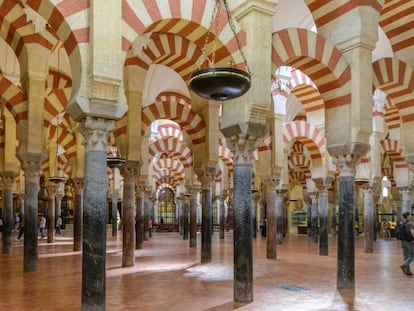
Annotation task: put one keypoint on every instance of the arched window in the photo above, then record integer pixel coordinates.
(166, 206)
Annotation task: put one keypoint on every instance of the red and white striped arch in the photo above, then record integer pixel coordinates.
(396, 79)
(306, 91)
(67, 20)
(17, 29)
(309, 135)
(13, 99)
(399, 33)
(183, 115)
(393, 150)
(267, 143)
(175, 167)
(165, 185)
(173, 148)
(187, 19)
(58, 89)
(227, 157)
(322, 62)
(165, 131)
(325, 12)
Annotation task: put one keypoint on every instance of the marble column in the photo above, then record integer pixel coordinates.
(59, 197)
(147, 207)
(9, 179)
(130, 170)
(78, 214)
(314, 217)
(280, 215)
(242, 201)
(193, 216)
(114, 193)
(323, 222)
(185, 210)
(31, 164)
(95, 131)
(369, 221)
(406, 200)
(222, 214)
(52, 189)
(346, 241)
(271, 226)
(206, 178)
(139, 217)
(254, 213)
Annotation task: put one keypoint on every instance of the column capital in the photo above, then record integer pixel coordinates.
(78, 185)
(323, 183)
(52, 189)
(9, 179)
(95, 131)
(346, 164)
(367, 192)
(405, 192)
(31, 165)
(206, 176)
(130, 170)
(314, 197)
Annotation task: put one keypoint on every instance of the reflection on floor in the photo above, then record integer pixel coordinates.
(168, 276)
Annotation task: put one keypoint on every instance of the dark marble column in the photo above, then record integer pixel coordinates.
(78, 214)
(31, 164)
(369, 223)
(9, 179)
(185, 209)
(206, 178)
(95, 132)
(280, 215)
(255, 198)
(271, 226)
(222, 214)
(314, 217)
(114, 193)
(346, 241)
(147, 205)
(52, 189)
(130, 170)
(243, 252)
(59, 197)
(323, 222)
(193, 216)
(139, 217)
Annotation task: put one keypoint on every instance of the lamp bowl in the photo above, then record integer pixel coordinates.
(221, 83)
(115, 162)
(57, 179)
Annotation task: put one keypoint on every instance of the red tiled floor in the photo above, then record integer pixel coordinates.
(168, 276)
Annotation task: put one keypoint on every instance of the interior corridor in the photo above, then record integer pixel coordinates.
(168, 276)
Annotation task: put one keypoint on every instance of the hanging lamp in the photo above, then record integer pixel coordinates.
(220, 83)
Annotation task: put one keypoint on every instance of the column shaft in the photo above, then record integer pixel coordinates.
(139, 217)
(369, 229)
(8, 219)
(243, 252)
(193, 218)
(206, 201)
(346, 241)
(323, 223)
(78, 215)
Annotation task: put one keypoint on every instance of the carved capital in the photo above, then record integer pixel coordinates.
(78, 185)
(242, 146)
(346, 164)
(52, 189)
(95, 131)
(130, 170)
(9, 179)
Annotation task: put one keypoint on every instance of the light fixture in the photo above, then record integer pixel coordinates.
(113, 160)
(220, 83)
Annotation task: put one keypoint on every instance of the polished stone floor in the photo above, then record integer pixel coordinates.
(168, 276)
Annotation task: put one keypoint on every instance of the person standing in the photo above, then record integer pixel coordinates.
(407, 244)
(42, 226)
